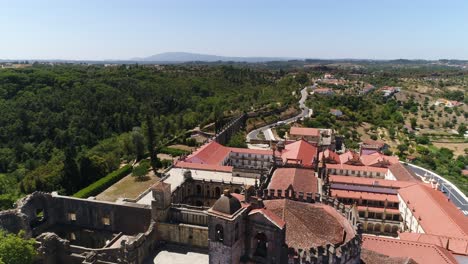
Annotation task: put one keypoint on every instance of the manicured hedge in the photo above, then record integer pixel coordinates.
(103, 183)
(173, 151)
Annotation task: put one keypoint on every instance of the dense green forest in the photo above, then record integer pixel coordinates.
(64, 127)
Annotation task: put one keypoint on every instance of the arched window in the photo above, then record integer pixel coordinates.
(377, 227)
(217, 192)
(219, 233)
(199, 192)
(395, 229)
(387, 228)
(262, 244)
(370, 227)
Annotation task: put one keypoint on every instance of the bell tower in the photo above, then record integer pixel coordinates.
(161, 201)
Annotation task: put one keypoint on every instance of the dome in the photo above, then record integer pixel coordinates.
(227, 204)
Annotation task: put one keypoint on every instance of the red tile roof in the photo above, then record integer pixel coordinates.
(356, 168)
(310, 225)
(304, 131)
(270, 216)
(372, 257)
(302, 180)
(369, 181)
(211, 153)
(420, 252)
(402, 173)
(438, 215)
(364, 195)
(369, 143)
(300, 150)
(455, 244)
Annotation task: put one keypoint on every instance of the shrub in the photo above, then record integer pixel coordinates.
(103, 183)
(14, 249)
(140, 171)
(173, 151)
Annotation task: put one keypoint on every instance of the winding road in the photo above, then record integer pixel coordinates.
(266, 130)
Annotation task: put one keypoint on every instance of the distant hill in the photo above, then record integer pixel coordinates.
(188, 57)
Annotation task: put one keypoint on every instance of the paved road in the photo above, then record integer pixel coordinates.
(266, 130)
(456, 196)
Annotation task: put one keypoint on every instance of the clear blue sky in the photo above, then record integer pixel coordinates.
(122, 29)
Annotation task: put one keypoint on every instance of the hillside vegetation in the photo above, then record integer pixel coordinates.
(65, 127)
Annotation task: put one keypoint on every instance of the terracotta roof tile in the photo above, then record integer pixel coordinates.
(352, 180)
(300, 150)
(401, 173)
(434, 208)
(270, 216)
(364, 195)
(302, 180)
(310, 225)
(420, 252)
(211, 153)
(304, 131)
(372, 257)
(455, 244)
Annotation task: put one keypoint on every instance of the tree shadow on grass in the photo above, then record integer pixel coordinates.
(142, 179)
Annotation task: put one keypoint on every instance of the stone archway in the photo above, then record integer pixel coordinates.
(377, 228)
(387, 229)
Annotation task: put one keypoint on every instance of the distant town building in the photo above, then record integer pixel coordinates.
(324, 91)
(389, 90)
(447, 103)
(336, 112)
(370, 146)
(325, 138)
(367, 89)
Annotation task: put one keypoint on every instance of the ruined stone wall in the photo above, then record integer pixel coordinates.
(185, 234)
(13, 222)
(126, 218)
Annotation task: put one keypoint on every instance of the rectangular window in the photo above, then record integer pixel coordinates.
(378, 216)
(71, 217)
(106, 221)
